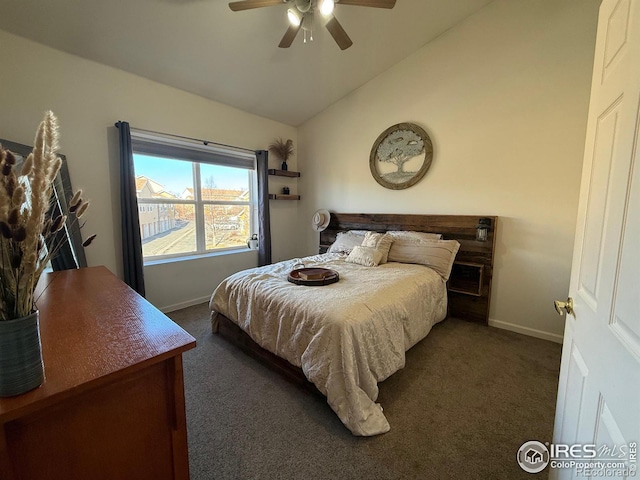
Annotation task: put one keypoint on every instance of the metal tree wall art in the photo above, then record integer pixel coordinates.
(398, 148)
(401, 156)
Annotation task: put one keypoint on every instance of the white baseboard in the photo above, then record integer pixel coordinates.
(188, 303)
(532, 332)
(512, 327)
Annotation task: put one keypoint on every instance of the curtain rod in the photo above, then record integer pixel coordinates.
(204, 142)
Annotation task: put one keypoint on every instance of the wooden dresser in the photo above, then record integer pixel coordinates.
(112, 404)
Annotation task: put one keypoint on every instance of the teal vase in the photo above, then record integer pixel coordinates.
(21, 367)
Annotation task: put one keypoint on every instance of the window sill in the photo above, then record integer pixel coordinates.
(187, 258)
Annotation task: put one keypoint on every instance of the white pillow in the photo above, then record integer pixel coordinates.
(379, 241)
(367, 256)
(411, 235)
(436, 254)
(345, 241)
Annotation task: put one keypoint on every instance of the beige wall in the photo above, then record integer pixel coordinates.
(88, 99)
(504, 96)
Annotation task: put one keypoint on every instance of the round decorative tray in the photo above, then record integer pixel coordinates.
(313, 276)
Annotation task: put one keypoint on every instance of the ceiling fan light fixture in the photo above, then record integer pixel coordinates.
(326, 7)
(300, 15)
(294, 16)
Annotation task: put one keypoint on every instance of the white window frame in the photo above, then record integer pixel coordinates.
(228, 154)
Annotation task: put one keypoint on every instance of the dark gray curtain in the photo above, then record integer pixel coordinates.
(264, 221)
(131, 240)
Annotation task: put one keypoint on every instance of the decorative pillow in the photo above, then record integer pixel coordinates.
(379, 241)
(345, 241)
(411, 235)
(367, 256)
(436, 254)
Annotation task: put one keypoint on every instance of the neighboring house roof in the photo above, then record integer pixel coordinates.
(140, 183)
(165, 195)
(223, 194)
(153, 188)
(156, 190)
(219, 194)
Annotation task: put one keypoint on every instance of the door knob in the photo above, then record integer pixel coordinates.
(567, 306)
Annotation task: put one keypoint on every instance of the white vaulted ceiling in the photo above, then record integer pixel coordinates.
(201, 46)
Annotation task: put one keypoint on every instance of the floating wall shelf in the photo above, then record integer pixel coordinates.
(273, 196)
(283, 173)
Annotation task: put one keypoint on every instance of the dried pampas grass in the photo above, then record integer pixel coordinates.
(27, 232)
(281, 149)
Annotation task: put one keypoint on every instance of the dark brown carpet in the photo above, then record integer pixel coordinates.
(468, 397)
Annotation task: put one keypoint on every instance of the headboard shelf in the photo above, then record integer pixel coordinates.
(467, 278)
(474, 307)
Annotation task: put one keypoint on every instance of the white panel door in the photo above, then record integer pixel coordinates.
(599, 388)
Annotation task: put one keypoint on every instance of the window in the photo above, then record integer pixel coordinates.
(193, 199)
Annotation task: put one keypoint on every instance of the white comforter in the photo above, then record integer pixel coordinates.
(347, 336)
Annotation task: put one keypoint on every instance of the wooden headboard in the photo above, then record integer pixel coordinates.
(469, 286)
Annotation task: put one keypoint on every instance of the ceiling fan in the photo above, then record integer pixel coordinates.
(301, 12)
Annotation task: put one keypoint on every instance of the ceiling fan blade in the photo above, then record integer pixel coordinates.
(338, 33)
(289, 36)
(249, 4)
(369, 3)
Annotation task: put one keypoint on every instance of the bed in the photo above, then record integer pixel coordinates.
(346, 337)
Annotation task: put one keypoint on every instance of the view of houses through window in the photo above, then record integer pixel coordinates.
(188, 207)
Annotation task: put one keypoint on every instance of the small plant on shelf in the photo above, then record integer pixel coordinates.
(282, 150)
